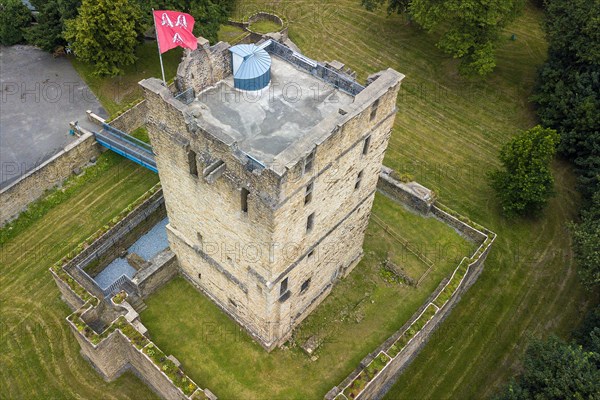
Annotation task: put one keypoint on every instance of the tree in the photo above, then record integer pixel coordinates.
(14, 17)
(568, 89)
(526, 182)
(105, 34)
(470, 29)
(47, 34)
(553, 369)
(209, 16)
(586, 244)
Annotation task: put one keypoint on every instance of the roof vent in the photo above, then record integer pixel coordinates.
(251, 66)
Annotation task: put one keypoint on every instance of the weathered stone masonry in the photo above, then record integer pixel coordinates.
(265, 234)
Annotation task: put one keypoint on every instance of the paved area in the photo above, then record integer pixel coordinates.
(39, 95)
(147, 247)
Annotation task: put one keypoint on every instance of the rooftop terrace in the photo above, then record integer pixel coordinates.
(264, 123)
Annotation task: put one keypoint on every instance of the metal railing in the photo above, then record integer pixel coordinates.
(186, 97)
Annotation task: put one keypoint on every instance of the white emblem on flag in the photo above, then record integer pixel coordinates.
(165, 20)
(177, 38)
(181, 21)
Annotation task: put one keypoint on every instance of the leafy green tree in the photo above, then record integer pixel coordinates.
(14, 17)
(209, 16)
(469, 29)
(525, 183)
(568, 89)
(586, 243)
(105, 34)
(52, 14)
(553, 369)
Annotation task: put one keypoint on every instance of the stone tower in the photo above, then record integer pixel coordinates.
(268, 192)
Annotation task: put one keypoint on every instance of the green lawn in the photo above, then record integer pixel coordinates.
(447, 134)
(231, 34)
(361, 312)
(119, 92)
(265, 26)
(40, 357)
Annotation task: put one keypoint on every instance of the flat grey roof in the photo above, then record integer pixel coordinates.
(264, 123)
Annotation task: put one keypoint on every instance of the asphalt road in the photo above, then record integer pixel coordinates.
(39, 95)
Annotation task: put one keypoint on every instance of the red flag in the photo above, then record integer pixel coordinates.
(174, 29)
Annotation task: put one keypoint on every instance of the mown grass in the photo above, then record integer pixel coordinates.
(361, 312)
(40, 358)
(447, 134)
(119, 92)
(230, 34)
(265, 26)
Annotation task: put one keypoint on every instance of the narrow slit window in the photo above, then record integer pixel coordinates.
(199, 235)
(308, 193)
(310, 254)
(310, 222)
(309, 161)
(358, 180)
(284, 287)
(305, 286)
(193, 164)
(366, 145)
(245, 193)
(374, 109)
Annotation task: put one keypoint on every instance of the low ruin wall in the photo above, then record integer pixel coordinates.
(385, 378)
(160, 272)
(17, 196)
(116, 354)
(131, 119)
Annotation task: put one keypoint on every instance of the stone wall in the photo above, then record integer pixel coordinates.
(382, 381)
(67, 294)
(162, 270)
(17, 196)
(131, 119)
(410, 193)
(116, 354)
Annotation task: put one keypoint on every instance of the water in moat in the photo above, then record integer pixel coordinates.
(147, 247)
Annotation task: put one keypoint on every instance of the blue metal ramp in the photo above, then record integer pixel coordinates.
(127, 146)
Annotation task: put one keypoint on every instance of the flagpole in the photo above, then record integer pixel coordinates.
(162, 68)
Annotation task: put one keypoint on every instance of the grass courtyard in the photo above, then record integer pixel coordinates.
(360, 313)
(40, 357)
(447, 134)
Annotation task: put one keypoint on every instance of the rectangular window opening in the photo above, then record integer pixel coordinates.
(310, 221)
(366, 145)
(199, 235)
(308, 193)
(310, 254)
(284, 287)
(245, 193)
(308, 161)
(193, 164)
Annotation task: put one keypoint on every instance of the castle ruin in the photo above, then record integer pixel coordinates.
(269, 169)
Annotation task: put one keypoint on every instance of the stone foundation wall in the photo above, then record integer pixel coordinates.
(17, 196)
